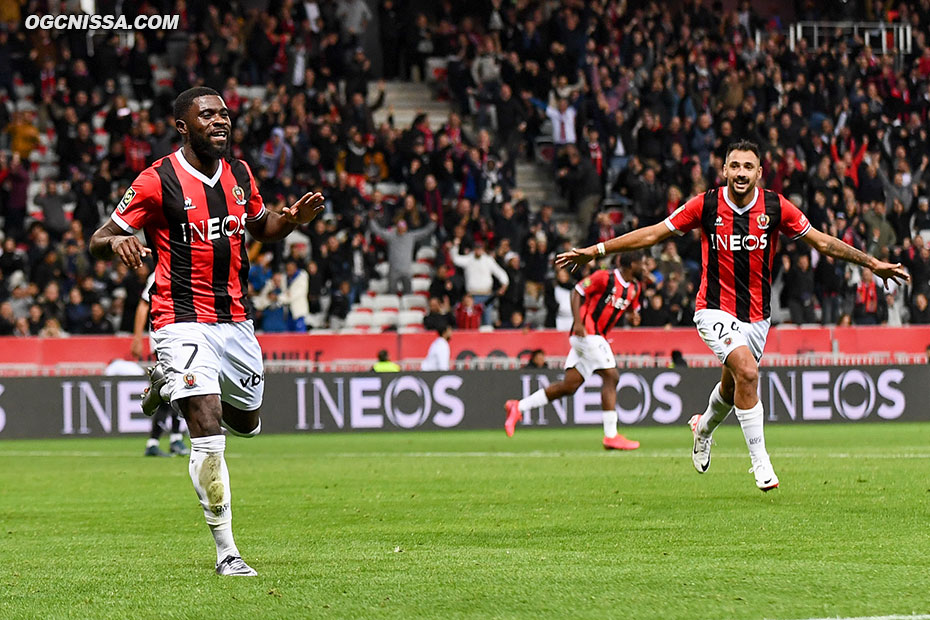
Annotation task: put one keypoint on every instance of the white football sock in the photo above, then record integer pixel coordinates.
(211, 482)
(534, 400)
(173, 437)
(750, 420)
(151, 442)
(252, 433)
(610, 422)
(716, 412)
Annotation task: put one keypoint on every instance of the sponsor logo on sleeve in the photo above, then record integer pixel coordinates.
(127, 198)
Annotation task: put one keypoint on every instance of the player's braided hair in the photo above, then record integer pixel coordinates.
(186, 99)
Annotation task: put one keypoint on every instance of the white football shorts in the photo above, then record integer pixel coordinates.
(589, 354)
(212, 358)
(722, 332)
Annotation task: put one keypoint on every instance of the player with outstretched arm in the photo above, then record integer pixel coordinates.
(195, 206)
(740, 224)
(598, 302)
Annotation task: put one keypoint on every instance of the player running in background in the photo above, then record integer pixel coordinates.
(598, 302)
(195, 206)
(165, 410)
(740, 225)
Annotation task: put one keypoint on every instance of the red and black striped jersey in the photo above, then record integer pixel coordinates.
(196, 228)
(738, 247)
(605, 297)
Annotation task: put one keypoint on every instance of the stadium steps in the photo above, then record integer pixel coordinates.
(408, 99)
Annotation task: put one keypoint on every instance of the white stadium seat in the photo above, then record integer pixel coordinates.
(378, 286)
(426, 253)
(384, 319)
(359, 319)
(386, 302)
(409, 302)
(421, 269)
(410, 317)
(420, 284)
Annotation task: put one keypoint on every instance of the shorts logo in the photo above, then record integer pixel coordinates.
(727, 341)
(763, 221)
(239, 195)
(127, 198)
(190, 380)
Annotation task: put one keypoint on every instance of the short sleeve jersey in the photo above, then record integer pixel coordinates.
(606, 295)
(196, 227)
(738, 248)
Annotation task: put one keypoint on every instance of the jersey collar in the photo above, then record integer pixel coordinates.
(726, 197)
(197, 174)
(619, 277)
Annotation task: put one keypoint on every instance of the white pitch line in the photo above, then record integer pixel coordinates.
(892, 617)
(644, 454)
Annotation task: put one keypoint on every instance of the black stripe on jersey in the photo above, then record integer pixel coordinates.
(216, 205)
(741, 267)
(602, 303)
(617, 311)
(242, 179)
(182, 292)
(709, 224)
(773, 211)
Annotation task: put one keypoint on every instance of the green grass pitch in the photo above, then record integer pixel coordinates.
(475, 525)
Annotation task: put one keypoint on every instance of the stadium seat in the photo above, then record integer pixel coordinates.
(420, 284)
(382, 269)
(357, 319)
(426, 253)
(412, 301)
(366, 301)
(386, 303)
(421, 269)
(379, 286)
(380, 320)
(410, 317)
(316, 321)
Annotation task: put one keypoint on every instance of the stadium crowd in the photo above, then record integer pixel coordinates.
(630, 105)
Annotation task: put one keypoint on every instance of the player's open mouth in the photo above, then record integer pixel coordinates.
(741, 185)
(221, 134)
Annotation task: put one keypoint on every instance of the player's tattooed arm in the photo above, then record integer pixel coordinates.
(843, 251)
(831, 246)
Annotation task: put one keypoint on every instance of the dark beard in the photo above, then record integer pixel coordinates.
(204, 148)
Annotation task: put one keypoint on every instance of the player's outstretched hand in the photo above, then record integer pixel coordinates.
(576, 257)
(130, 250)
(304, 210)
(892, 271)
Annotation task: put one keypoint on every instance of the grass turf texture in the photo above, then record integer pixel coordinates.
(471, 524)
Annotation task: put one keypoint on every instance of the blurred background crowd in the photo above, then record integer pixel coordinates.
(628, 105)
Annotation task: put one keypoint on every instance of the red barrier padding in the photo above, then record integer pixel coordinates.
(334, 347)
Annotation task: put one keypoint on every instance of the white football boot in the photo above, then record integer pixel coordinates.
(700, 455)
(234, 566)
(766, 479)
